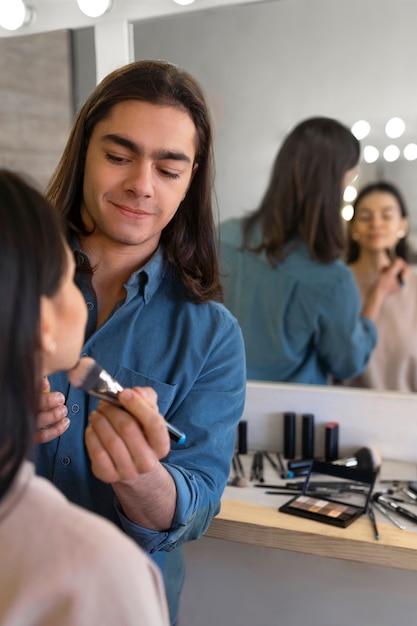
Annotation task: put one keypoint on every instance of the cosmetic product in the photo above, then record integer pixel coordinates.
(331, 441)
(257, 468)
(373, 522)
(289, 435)
(272, 486)
(391, 518)
(91, 378)
(280, 463)
(410, 495)
(364, 458)
(299, 464)
(242, 437)
(400, 510)
(339, 508)
(238, 479)
(286, 493)
(239, 463)
(307, 436)
(273, 464)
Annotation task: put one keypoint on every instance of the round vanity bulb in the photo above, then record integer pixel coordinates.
(395, 127)
(350, 193)
(391, 153)
(361, 129)
(14, 14)
(410, 152)
(370, 154)
(347, 212)
(94, 8)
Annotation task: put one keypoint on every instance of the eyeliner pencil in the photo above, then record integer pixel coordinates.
(373, 521)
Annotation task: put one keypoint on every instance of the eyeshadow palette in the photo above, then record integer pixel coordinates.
(347, 490)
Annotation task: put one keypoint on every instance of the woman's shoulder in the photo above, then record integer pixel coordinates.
(231, 231)
(317, 273)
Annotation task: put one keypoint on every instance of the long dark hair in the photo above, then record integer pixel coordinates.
(381, 186)
(190, 239)
(32, 263)
(304, 195)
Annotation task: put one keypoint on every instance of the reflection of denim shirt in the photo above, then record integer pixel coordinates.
(301, 319)
(193, 356)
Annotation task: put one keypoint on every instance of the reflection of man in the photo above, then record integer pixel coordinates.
(134, 185)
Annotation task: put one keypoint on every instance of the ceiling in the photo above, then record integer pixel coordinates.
(59, 14)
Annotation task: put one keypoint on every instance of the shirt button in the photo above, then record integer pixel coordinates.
(90, 306)
(75, 408)
(65, 460)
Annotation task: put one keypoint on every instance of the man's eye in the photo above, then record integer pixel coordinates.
(169, 174)
(116, 159)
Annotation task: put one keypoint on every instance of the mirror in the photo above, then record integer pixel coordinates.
(267, 66)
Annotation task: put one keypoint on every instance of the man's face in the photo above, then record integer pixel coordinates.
(139, 165)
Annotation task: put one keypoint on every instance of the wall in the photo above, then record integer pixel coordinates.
(35, 103)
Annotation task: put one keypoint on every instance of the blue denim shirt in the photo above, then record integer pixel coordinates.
(193, 356)
(300, 319)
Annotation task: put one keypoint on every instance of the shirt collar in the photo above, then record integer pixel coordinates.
(144, 281)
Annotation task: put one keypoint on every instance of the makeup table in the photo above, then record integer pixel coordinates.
(256, 566)
(249, 516)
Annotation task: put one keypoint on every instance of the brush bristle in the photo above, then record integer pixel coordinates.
(368, 458)
(84, 374)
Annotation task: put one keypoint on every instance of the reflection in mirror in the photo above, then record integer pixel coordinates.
(269, 65)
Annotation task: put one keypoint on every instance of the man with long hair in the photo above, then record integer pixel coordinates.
(134, 186)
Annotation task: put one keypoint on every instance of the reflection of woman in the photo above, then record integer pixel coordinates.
(59, 564)
(297, 304)
(376, 234)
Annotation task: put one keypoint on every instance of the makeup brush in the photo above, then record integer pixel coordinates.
(91, 378)
(364, 459)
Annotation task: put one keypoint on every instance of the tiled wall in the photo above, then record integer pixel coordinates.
(35, 102)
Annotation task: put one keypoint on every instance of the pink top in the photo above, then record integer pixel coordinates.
(393, 362)
(63, 566)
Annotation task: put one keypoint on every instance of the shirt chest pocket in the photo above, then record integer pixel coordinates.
(129, 378)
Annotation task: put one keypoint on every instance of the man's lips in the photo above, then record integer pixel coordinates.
(135, 213)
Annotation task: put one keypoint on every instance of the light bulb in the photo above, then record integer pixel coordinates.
(94, 8)
(410, 152)
(370, 154)
(14, 14)
(361, 129)
(184, 2)
(391, 153)
(350, 193)
(347, 212)
(395, 127)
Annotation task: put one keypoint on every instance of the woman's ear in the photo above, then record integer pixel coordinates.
(403, 228)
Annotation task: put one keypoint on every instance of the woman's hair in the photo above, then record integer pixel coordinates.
(401, 249)
(304, 196)
(189, 240)
(32, 264)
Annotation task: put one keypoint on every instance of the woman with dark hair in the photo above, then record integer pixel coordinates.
(296, 302)
(377, 235)
(60, 565)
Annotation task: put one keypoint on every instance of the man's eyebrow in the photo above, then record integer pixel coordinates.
(159, 155)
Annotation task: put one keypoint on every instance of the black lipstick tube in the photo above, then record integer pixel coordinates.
(289, 435)
(307, 436)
